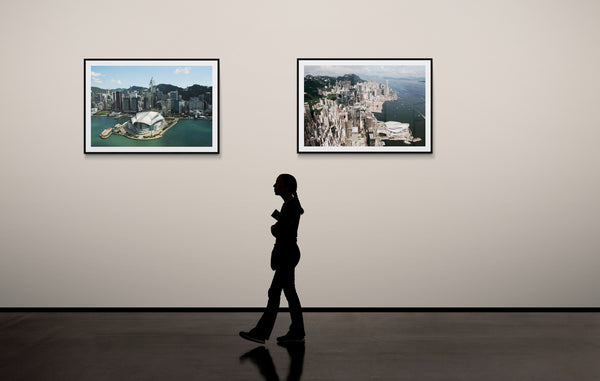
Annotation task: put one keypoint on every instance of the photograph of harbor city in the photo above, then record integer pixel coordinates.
(159, 106)
(364, 105)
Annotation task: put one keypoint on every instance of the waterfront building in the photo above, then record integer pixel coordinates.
(371, 139)
(370, 122)
(152, 86)
(164, 109)
(195, 104)
(397, 131)
(146, 123)
(306, 111)
(172, 105)
(134, 103)
(148, 101)
(118, 105)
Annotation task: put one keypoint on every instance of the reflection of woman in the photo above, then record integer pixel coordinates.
(284, 258)
(261, 357)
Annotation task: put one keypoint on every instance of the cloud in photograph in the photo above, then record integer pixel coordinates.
(117, 76)
(96, 77)
(389, 71)
(182, 70)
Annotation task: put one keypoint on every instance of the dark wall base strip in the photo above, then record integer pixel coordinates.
(306, 309)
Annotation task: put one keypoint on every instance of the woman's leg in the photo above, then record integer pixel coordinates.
(267, 320)
(289, 288)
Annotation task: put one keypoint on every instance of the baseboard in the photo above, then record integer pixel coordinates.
(304, 309)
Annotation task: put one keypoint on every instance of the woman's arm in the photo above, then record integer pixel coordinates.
(287, 223)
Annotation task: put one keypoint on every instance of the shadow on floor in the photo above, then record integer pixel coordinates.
(261, 357)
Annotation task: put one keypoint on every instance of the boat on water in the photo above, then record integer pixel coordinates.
(106, 133)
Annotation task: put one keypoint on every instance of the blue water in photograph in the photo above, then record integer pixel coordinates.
(186, 133)
(408, 108)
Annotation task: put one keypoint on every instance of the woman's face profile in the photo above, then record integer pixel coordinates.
(279, 187)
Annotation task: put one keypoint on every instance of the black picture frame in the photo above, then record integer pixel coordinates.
(338, 111)
(146, 122)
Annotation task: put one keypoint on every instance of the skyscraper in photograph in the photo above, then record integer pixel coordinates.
(118, 105)
(152, 86)
(126, 104)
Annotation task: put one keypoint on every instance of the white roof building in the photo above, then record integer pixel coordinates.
(398, 131)
(147, 117)
(146, 123)
(397, 128)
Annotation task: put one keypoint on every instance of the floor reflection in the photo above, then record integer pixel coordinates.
(261, 357)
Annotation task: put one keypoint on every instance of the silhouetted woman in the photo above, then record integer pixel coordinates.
(284, 258)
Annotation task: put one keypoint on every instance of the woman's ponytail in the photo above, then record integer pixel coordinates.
(292, 185)
(295, 193)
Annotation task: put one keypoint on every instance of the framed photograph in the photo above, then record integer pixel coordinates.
(365, 105)
(151, 105)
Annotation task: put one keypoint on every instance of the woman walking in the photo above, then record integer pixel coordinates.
(284, 258)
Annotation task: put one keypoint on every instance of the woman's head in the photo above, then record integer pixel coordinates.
(286, 185)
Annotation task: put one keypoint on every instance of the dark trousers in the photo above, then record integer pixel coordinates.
(283, 280)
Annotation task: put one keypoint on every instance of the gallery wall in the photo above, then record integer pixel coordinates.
(504, 213)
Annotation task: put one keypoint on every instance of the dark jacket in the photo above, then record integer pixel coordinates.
(286, 252)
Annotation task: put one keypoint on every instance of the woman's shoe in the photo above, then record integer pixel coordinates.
(290, 338)
(252, 336)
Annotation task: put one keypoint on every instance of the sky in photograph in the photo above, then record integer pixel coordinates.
(389, 71)
(112, 77)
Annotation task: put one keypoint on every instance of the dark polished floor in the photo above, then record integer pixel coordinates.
(339, 346)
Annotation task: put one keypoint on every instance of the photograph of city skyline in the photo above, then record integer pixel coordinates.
(158, 106)
(364, 105)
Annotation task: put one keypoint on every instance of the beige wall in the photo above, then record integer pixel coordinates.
(504, 213)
